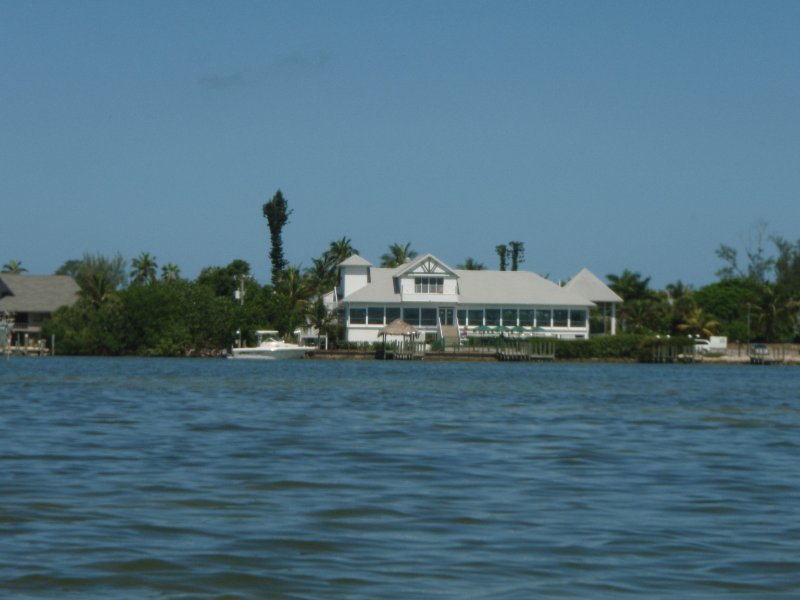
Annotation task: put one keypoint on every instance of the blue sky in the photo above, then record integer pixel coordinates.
(609, 135)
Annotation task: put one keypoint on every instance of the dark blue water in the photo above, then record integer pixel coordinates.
(127, 478)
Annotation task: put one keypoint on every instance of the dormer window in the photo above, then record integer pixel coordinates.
(429, 285)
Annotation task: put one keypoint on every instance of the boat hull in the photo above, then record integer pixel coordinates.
(269, 354)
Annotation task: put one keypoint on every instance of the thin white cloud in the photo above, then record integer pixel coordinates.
(221, 82)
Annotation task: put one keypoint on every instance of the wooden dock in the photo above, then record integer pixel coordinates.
(527, 351)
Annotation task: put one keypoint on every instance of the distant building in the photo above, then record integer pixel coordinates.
(447, 303)
(32, 299)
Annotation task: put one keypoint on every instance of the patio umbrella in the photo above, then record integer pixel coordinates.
(483, 329)
(518, 329)
(501, 329)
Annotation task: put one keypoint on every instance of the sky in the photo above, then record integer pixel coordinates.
(610, 135)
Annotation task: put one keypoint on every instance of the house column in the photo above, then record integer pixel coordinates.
(614, 318)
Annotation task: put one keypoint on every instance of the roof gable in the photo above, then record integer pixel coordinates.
(588, 285)
(425, 266)
(354, 260)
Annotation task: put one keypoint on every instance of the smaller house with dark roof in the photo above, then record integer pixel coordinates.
(29, 300)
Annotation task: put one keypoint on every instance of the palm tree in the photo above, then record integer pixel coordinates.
(144, 268)
(170, 272)
(397, 255)
(517, 254)
(14, 266)
(99, 277)
(697, 322)
(321, 277)
(470, 264)
(630, 286)
(339, 250)
(502, 252)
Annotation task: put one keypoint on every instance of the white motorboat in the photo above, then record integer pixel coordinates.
(270, 347)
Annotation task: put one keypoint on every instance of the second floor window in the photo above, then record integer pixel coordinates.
(429, 285)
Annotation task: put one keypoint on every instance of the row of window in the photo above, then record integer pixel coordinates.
(492, 317)
(429, 285)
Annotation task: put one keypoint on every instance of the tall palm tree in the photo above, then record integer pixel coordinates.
(517, 254)
(14, 266)
(144, 268)
(321, 277)
(502, 253)
(697, 322)
(339, 250)
(397, 255)
(99, 278)
(630, 285)
(170, 272)
(470, 264)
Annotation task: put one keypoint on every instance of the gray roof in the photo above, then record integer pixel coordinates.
(355, 261)
(477, 287)
(36, 293)
(588, 285)
(513, 287)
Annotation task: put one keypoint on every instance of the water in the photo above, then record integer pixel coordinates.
(128, 478)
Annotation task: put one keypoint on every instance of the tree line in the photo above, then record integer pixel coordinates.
(147, 310)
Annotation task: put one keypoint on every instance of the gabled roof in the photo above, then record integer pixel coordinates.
(37, 293)
(476, 287)
(355, 261)
(587, 284)
(424, 265)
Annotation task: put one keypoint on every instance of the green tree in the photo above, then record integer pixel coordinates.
(144, 269)
(339, 251)
(99, 277)
(277, 212)
(517, 254)
(170, 272)
(630, 286)
(470, 264)
(14, 266)
(697, 322)
(759, 266)
(502, 253)
(287, 305)
(397, 255)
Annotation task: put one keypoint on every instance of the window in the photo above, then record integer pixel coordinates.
(577, 318)
(526, 317)
(475, 318)
(560, 317)
(492, 316)
(392, 313)
(429, 285)
(428, 317)
(411, 316)
(510, 317)
(358, 316)
(375, 315)
(462, 317)
(543, 317)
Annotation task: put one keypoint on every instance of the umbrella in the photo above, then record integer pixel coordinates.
(501, 329)
(482, 329)
(518, 329)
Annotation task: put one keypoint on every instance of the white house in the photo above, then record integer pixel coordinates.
(442, 301)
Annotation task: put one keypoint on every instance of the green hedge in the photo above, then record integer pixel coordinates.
(626, 346)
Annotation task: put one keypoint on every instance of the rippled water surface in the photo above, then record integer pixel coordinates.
(128, 478)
